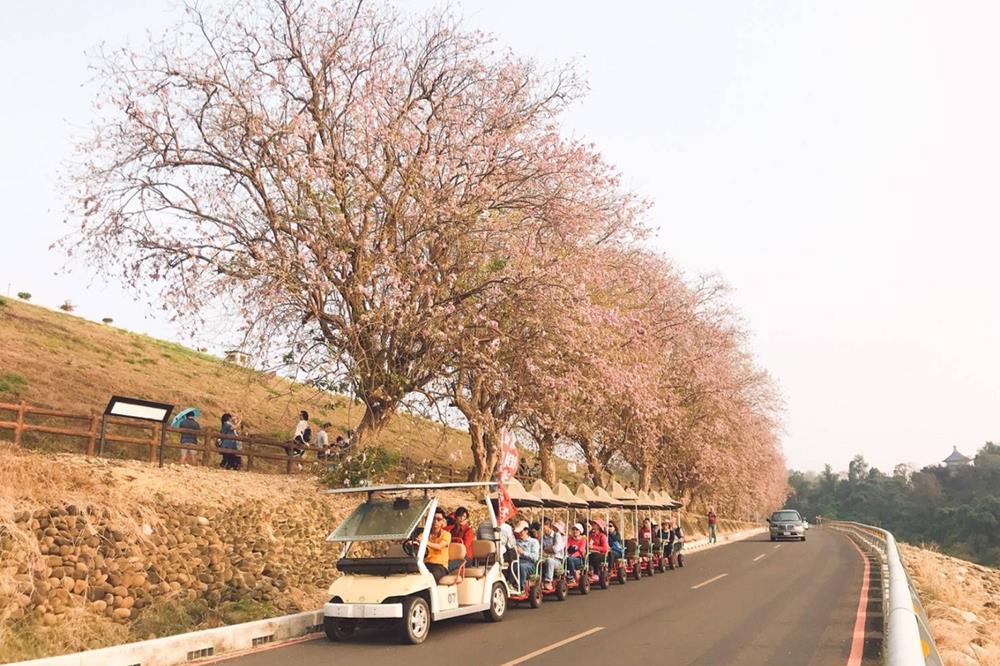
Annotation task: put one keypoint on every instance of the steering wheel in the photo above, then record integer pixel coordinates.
(411, 547)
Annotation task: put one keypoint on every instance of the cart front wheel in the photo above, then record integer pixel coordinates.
(338, 629)
(416, 622)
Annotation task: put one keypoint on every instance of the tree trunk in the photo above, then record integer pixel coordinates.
(375, 417)
(479, 461)
(594, 464)
(646, 477)
(547, 458)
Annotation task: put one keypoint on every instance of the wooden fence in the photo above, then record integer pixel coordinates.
(258, 453)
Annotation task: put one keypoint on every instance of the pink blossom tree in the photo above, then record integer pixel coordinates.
(349, 180)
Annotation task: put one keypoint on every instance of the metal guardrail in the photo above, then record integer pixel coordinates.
(908, 640)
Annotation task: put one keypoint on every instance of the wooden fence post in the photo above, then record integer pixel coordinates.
(154, 440)
(248, 449)
(288, 465)
(20, 423)
(92, 435)
(205, 455)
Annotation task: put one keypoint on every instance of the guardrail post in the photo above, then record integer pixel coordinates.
(22, 406)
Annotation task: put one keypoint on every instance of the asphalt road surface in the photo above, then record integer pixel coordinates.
(749, 602)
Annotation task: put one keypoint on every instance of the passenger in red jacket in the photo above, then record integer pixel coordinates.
(599, 546)
(461, 532)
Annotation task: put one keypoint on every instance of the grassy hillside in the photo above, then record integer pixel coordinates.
(962, 601)
(57, 360)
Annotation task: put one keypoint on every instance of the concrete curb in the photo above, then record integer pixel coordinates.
(185, 648)
(238, 638)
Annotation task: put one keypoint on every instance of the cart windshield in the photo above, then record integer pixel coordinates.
(380, 520)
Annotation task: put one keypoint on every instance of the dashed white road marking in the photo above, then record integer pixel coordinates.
(760, 556)
(710, 580)
(549, 648)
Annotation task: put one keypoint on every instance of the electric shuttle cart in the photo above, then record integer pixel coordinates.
(384, 578)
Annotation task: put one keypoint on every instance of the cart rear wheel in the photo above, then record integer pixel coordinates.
(562, 590)
(603, 577)
(622, 574)
(637, 570)
(585, 582)
(536, 594)
(498, 604)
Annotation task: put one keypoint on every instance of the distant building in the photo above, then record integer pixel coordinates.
(238, 357)
(956, 459)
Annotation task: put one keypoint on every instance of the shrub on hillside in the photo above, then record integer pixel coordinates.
(361, 469)
(107, 320)
(12, 383)
(67, 307)
(24, 296)
(3, 304)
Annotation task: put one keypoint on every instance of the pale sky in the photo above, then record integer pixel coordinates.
(836, 162)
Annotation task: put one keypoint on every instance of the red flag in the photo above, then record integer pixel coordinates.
(509, 457)
(507, 508)
(506, 468)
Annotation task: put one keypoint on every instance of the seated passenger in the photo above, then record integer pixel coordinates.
(461, 532)
(576, 549)
(527, 553)
(646, 530)
(554, 548)
(438, 541)
(598, 546)
(667, 537)
(615, 540)
(506, 546)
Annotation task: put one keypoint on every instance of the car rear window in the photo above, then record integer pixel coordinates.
(785, 516)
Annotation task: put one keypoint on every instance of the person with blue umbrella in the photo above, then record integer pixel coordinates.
(185, 420)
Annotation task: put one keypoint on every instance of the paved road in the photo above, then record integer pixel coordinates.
(787, 603)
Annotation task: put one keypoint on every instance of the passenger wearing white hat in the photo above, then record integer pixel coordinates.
(554, 547)
(528, 552)
(576, 549)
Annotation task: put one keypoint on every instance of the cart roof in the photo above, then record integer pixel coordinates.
(589, 497)
(668, 501)
(544, 492)
(403, 487)
(565, 494)
(622, 494)
(521, 497)
(604, 496)
(646, 501)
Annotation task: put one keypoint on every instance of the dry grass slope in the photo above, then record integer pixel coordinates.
(962, 601)
(61, 361)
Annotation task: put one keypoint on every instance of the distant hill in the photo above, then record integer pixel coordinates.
(61, 361)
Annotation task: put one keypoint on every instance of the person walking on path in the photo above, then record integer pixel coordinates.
(303, 433)
(226, 434)
(712, 520)
(189, 457)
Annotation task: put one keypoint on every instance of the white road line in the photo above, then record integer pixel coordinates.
(710, 580)
(549, 648)
(759, 557)
(777, 547)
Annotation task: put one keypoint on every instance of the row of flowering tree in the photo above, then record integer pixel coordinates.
(390, 201)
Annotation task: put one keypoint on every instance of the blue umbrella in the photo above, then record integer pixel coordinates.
(193, 411)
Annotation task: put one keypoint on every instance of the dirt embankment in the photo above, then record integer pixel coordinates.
(96, 552)
(962, 601)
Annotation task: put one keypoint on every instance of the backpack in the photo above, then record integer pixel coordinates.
(307, 435)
